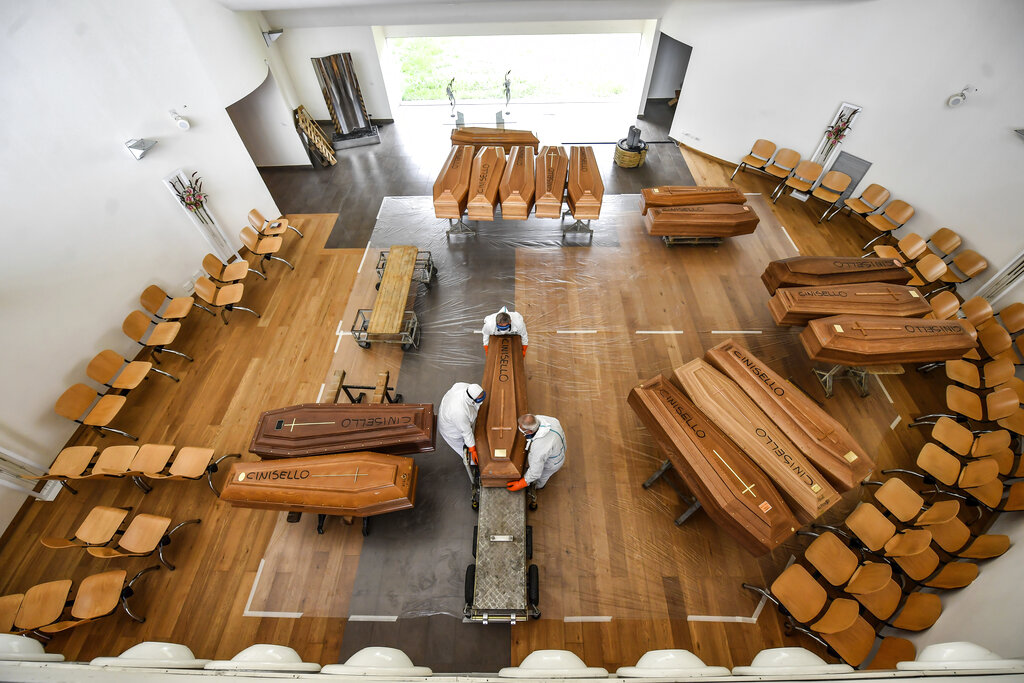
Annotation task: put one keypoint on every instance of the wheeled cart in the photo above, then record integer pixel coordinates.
(501, 586)
(408, 335)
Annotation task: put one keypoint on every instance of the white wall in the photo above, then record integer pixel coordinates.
(267, 128)
(94, 226)
(779, 69)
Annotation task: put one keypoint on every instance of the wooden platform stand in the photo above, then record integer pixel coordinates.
(392, 319)
(382, 393)
(857, 375)
(691, 501)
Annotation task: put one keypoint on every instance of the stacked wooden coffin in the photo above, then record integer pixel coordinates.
(585, 189)
(502, 137)
(815, 271)
(696, 212)
(451, 189)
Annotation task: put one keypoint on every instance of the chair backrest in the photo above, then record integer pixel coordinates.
(250, 238)
(1012, 317)
(875, 195)
(799, 593)
(899, 211)
(75, 401)
(152, 298)
(763, 149)
(72, 461)
(144, 533)
(930, 267)
(151, 458)
(256, 220)
(9, 605)
(870, 526)
(136, 325)
(978, 472)
(990, 443)
(229, 294)
(808, 170)
(104, 366)
(995, 339)
(1001, 403)
(226, 272)
(978, 310)
(98, 595)
(912, 246)
(205, 289)
(953, 435)
(191, 462)
(970, 263)
(944, 305)
(899, 499)
(833, 560)
(786, 158)
(115, 460)
(945, 240)
(837, 181)
(939, 463)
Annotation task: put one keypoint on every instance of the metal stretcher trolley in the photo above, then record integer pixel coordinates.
(392, 320)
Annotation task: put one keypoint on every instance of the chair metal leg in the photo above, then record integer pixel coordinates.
(178, 353)
(278, 258)
(166, 540)
(128, 592)
(212, 467)
(165, 374)
(827, 209)
(247, 310)
(140, 482)
(258, 273)
(736, 171)
(224, 314)
(114, 431)
(868, 245)
(66, 485)
(292, 227)
(197, 305)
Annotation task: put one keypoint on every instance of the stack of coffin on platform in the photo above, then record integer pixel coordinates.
(505, 138)
(690, 211)
(814, 271)
(744, 414)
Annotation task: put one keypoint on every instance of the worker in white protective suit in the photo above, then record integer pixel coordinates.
(456, 419)
(504, 322)
(545, 450)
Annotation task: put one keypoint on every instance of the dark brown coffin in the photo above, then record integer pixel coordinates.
(797, 305)
(504, 138)
(499, 445)
(813, 271)
(818, 435)
(688, 195)
(351, 484)
(712, 220)
(727, 406)
(488, 166)
(552, 167)
(585, 189)
(451, 189)
(731, 489)
(517, 186)
(322, 428)
(882, 340)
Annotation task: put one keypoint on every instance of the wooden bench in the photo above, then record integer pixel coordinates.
(392, 320)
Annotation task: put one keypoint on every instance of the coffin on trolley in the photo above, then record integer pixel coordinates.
(797, 305)
(712, 220)
(688, 195)
(518, 186)
(451, 189)
(488, 167)
(813, 271)
(585, 189)
(500, 446)
(552, 167)
(881, 340)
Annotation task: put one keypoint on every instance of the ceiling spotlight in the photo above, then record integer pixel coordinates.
(958, 98)
(180, 121)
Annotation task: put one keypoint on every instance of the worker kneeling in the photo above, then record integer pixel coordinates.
(456, 420)
(545, 450)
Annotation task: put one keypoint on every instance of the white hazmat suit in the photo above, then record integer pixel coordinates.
(456, 418)
(490, 327)
(545, 452)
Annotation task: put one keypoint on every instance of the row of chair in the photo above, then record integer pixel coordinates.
(929, 268)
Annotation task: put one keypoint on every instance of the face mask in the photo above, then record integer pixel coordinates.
(528, 435)
(477, 400)
(504, 328)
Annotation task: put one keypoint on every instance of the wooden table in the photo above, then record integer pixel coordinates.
(798, 305)
(552, 167)
(813, 271)
(518, 184)
(818, 435)
(351, 485)
(731, 409)
(500, 447)
(737, 495)
(879, 340)
(688, 195)
(325, 428)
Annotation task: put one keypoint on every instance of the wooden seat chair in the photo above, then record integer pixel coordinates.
(1012, 318)
(970, 264)
(995, 405)
(98, 528)
(227, 273)
(925, 272)
(801, 180)
(70, 463)
(758, 158)
(870, 200)
(783, 164)
(98, 596)
(136, 327)
(145, 534)
(264, 247)
(978, 311)
(945, 305)
(79, 404)
(114, 372)
(991, 375)
(952, 471)
(945, 242)
(894, 217)
(153, 299)
(9, 606)
(907, 250)
(271, 228)
(42, 605)
(831, 188)
(191, 463)
(225, 297)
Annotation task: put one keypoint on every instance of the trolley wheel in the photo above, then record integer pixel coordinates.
(470, 583)
(377, 286)
(475, 503)
(363, 344)
(532, 505)
(406, 347)
(529, 542)
(475, 528)
(532, 585)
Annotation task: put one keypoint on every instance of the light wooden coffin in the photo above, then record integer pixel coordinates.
(351, 484)
(819, 436)
(814, 271)
(688, 195)
(737, 495)
(488, 165)
(502, 137)
(500, 446)
(451, 189)
(797, 305)
(320, 428)
(585, 189)
(517, 186)
(713, 220)
(552, 167)
(726, 405)
(882, 340)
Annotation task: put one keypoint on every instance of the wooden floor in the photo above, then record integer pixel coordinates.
(641, 570)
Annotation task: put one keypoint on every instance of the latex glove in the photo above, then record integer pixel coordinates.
(485, 349)
(524, 350)
(472, 454)
(516, 485)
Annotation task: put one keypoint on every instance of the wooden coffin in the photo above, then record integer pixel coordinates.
(713, 220)
(585, 189)
(351, 484)
(746, 424)
(797, 305)
(500, 447)
(819, 436)
(488, 165)
(688, 195)
(517, 186)
(882, 340)
(552, 167)
(451, 189)
(321, 428)
(732, 490)
(814, 271)
(502, 137)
